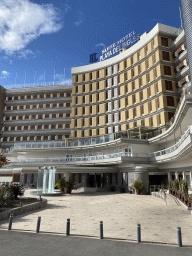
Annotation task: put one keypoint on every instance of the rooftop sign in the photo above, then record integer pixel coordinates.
(125, 42)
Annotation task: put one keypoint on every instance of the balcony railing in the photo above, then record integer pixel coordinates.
(78, 159)
(38, 84)
(174, 147)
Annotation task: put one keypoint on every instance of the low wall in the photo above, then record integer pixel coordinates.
(26, 208)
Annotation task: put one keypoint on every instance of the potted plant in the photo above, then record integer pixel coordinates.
(121, 189)
(183, 187)
(138, 186)
(175, 186)
(61, 184)
(112, 188)
(69, 184)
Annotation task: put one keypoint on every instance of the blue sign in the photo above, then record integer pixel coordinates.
(93, 57)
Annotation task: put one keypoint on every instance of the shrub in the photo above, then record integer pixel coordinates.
(61, 183)
(183, 187)
(70, 183)
(5, 196)
(16, 190)
(175, 185)
(112, 188)
(171, 185)
(138, 184)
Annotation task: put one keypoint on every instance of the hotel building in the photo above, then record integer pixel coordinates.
(123, 118)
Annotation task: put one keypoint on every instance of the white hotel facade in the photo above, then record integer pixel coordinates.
(40, 128)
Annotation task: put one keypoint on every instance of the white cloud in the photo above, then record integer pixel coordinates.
(80, 21)
(77, 23)
(22, 21)
(5, 73)
(67, 8)
(25, 54)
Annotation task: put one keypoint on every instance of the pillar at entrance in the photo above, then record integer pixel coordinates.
(177, 176)
(184, 176)
(169, 177)
(66, 176)
(142, 174)
(191, 179)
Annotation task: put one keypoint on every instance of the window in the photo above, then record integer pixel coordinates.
(67, 104)
(150, 106)
(125, 76)
(132, 72)
(149, 91)
(141, 95)
(170, 115)
(167, 70)
(68, 94)
(68, 125)
(157, 88)
(170, 101)
(142, 110)
(133, 98)
(165, 56)
(164, 41)
(168, 85)
(67, 115)
(139, 69)
(158, 103)
(159, 119)
(69, 157)
(133, 85)
(131, 60)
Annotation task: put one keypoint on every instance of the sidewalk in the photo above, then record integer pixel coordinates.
(28, 244)
(120, 214)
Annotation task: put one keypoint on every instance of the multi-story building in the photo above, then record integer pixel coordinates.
(130, 118)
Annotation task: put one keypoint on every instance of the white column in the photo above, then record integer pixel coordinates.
(176, 175)
(191, 179)
(169, 176)
(66, 176)
(184, 176)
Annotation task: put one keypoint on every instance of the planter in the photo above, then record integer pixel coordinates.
(69, 190)
(138, 191)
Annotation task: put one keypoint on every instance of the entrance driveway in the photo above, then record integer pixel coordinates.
(120, 214)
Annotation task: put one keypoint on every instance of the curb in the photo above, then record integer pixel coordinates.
(26, 208)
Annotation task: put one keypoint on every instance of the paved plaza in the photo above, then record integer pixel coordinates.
(120, 214)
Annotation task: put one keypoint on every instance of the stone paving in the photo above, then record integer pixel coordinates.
(120, 214)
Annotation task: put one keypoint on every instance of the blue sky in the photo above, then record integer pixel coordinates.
(40, 37)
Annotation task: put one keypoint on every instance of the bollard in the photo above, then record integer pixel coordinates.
(138, 233)
(20, 204)
(179, 237)
(38, 224)
(101, 229)
(10, 221)
(68, 227)
(40, 199)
